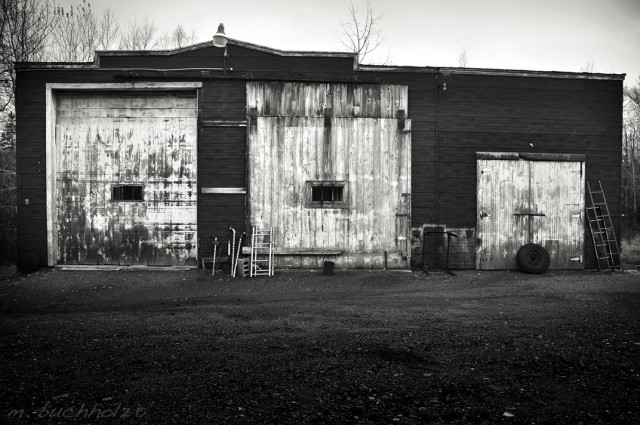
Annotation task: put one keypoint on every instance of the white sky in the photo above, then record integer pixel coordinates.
(548, 35)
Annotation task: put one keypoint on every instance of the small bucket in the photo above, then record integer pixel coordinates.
(327, 269)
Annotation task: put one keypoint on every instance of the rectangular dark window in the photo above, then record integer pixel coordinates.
(127, 192)
(326, 194)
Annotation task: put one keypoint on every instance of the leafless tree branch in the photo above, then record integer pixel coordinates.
(588, 67)
(25, 26)
(79, 33)
(139, 35)
(176, 39)
(631, 155)
(108, 30)
(362, 34)
(463, 58)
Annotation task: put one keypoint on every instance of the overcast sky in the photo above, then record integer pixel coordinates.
(549, 35)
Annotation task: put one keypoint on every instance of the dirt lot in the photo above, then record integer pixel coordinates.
(358, 347)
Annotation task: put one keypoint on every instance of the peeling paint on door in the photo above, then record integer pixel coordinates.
(148, 139)
(340, 134)
(522, 201)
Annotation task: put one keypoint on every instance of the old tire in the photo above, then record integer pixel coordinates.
(533, 258)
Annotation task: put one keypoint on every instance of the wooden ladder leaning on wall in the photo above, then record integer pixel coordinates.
(603, 234)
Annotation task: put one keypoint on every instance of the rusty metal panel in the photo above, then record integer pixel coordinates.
(522, 201)
(557, 191)
(370, 154)
(121, 138)
(503, 191)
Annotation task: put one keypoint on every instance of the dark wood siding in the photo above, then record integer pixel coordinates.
(506, 114)
(30, 164)
(221, 160)
(240, 61)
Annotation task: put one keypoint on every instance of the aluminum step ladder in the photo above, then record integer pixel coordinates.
(603, 233)
(261, 263)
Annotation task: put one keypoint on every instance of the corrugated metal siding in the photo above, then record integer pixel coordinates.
(105, 139)
(370, 154)
(509, 190)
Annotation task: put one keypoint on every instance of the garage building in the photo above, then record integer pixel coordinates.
(139, 157)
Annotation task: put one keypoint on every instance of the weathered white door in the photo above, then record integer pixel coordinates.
(503, 192)
(557, 190)
(306, 139)
(522, 201)
(126, 179)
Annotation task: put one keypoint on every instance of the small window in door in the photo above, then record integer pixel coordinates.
(127, 192)
(327, 194)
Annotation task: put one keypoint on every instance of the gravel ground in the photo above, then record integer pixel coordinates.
(302, 348)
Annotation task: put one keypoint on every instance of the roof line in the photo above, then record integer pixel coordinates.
(230, 41)
(354, 56)
(529, 73)
(293, 52)
(54, 65)
(493, 72)
(89, 66)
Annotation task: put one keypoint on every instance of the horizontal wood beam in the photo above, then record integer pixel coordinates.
(116, 268)
(532, 156)
(158, 85)
(224, 190)
(299, 251)
(223, 123)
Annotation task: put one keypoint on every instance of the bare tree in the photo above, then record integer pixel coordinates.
(176, 39)
(8, 200)
(631, 154)
(24, 29)
(79, 33)
(632, 94)
(463, 58)
(25, 26)
(108, 30)
(362, 34)
(75, 35)
(587, 68)
(139, 35)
